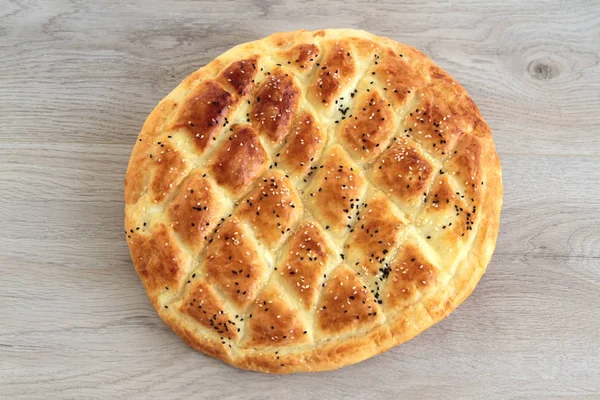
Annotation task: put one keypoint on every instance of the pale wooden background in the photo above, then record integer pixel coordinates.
(77, 79)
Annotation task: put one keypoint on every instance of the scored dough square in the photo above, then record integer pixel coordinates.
(368, 130)
(305, 259)
(275, 105)
(310, 200)
(302, 146)
(196, 210)
(239, 161)
(233, 263)
(405, 174)
(375, 236)
(335, 191)
(272, 208)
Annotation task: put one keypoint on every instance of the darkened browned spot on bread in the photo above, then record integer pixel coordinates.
(335, 192)
(239, 160)
(234, 264)
(158, 258)
(376, 234)
(272, 208)
(274, 105)
(404, 173)
(410, 274)
(336, 71)
(302, 57)
(305, 257)
(203, 113)
(303, 144)
(203, 305)
(274, 321)
(367, 133)
(196, 210)
(346, 304)
(239, 76)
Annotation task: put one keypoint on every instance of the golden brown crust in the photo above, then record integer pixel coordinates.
(204, 306)
(158, 258)
(369, 130)
(387, 162)
(400, 78)
(301, 57)
(335, 72)
(203, 113)
(275, 105)
(404, 173)
(410, 273)
(272, 208)
(433, 123)
(346, 304)
(303, 145)
(274, 321)
(239, 76)
(239, 161)
(336, 190)
(196, 210)
(304, 261)
(233, 262)
(375, 235)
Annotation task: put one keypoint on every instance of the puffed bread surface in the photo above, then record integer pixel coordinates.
(311, 199)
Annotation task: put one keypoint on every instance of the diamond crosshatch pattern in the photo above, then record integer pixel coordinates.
(310, 200)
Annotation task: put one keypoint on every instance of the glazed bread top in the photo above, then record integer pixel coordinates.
(311, 199)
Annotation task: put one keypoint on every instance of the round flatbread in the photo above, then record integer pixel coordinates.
(311, 199)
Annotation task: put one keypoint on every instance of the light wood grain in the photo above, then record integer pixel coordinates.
(77, 80)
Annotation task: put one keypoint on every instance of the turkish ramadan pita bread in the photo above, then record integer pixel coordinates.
(311, 199)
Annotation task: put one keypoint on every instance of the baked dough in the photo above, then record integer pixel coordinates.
(311, 199)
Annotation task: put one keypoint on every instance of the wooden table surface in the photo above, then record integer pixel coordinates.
(77, 80)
